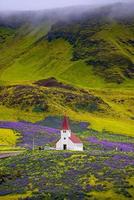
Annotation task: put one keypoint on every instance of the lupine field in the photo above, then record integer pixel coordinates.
(67, 175)
(105, 170)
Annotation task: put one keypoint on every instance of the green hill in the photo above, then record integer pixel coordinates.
(91, 51)
(93, 44)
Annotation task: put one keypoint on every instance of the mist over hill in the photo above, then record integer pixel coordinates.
(97, 35)
(117, 10)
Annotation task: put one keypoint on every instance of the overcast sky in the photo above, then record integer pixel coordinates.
(47, 4)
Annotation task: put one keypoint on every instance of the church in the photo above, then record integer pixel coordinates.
(68, 140)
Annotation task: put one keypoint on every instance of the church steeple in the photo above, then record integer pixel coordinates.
(65, 124)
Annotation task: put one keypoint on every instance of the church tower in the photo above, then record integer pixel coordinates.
(68, 140)
(65, 130)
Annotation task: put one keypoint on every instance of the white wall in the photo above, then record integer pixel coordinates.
(65, 134)
(70, 145)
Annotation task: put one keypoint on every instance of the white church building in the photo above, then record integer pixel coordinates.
(68, 140)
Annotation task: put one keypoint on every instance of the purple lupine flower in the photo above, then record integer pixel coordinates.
(41, 134)
(121, 146)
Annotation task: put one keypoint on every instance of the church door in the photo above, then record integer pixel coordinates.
(64, 147)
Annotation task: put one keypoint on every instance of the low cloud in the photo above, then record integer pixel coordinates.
(48, 4)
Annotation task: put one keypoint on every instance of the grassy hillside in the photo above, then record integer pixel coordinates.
(102, 109)
(44, 59)
(93, 54)
(95, 45)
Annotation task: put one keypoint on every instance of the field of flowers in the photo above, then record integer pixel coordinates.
(48, 132)
(105, 170)
(41, 134)
(68, 175)
(42, 131)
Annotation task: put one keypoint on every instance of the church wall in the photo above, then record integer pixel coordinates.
(70, 145)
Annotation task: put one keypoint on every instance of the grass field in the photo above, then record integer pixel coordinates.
(8, 139)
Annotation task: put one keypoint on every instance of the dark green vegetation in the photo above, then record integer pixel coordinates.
(41, 99)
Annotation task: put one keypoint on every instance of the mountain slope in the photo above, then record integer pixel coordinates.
(104, 44)
(96, 44)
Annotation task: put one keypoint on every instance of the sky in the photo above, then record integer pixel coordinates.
(48, 4)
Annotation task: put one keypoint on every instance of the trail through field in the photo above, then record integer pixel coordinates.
(6, 155)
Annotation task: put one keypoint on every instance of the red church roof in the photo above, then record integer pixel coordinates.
(74, 138)
(65, 124)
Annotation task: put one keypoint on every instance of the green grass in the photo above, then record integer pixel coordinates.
(14, 114)
(8, 139)
(51, 59)
(54, 60)
(40, 62)
(26, 59)
(111, 124)
(114, 33)
(82, 75)
(15, 196)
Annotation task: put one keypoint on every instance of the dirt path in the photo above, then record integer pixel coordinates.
(9, 154)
